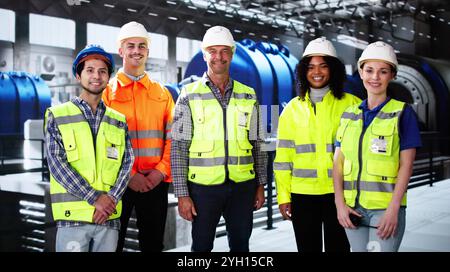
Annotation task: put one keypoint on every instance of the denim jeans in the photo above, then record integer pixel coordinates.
(233, 201)
(86, 238)
(365, 239)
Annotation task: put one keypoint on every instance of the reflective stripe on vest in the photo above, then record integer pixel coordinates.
(380, 156)
(207, 154)
(98, 167)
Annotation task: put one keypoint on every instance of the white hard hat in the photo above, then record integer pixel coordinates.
(320, 47)
(379, 51)
(218, 35)
(132, 30)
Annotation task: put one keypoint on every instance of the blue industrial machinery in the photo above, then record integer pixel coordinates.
(23, 96)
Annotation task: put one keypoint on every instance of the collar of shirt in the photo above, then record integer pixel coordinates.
(124, 79)
(316, 95)
(207, 81)
(364, 106)
(85, 106)
(369, 114)
(134, 78)
(93, 119)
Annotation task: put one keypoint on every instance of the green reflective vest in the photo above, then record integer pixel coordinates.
(220, 141)
(371, 156)
(99, 166)
(305, 145)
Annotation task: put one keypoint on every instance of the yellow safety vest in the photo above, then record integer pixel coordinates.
(305, 145)
(371, 156)
(220, 141)
(99, 166)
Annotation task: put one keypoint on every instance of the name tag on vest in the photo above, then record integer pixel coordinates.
(112, 152)
(243, 119)
(379, 145)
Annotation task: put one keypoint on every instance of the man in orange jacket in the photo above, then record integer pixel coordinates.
(148, 107)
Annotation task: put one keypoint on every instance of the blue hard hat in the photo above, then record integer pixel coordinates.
(93, 49)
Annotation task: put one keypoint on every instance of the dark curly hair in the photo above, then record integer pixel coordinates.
(337, 76)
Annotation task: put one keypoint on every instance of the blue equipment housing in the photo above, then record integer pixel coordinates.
(23, 96)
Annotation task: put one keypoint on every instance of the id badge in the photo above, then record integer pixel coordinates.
(378, 145)
(243, 119)
(112, 152)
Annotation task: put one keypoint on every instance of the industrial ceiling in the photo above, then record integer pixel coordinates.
(263, 19)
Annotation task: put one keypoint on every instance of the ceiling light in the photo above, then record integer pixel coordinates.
(108, 5)
(172, 18)
(152, 14)
(131, 10)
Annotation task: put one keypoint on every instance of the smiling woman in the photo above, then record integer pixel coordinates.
(375, 149)
(304, 153)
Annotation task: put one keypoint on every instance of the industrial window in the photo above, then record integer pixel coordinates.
(8, 23)
(52, 31)
(187, 48)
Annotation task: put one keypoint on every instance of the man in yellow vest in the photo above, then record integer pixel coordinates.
(217, 164)
(304, 154)
(90, 159)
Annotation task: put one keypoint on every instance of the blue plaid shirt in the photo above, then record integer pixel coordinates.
(69, 178)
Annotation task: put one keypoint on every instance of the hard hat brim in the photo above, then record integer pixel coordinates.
(361, 62)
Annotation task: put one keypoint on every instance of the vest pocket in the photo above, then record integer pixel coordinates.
(70, 145)
(201, 146)
(382, 139)
(347, 167)
(245, 156)
(111, 164)
(382, 168)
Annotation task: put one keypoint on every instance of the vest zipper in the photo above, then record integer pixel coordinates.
(361, 137)
(224, 113)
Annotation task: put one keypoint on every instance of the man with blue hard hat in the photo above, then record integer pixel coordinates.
(89, 158)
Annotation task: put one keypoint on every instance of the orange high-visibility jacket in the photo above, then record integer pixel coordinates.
(148, 107)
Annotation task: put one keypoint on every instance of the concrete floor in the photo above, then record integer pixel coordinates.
(427, 226)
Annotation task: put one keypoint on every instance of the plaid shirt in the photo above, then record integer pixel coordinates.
(182, 135)
(69, 178)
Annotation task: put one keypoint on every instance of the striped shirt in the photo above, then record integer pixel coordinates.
(182, 135)
(68, 177)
